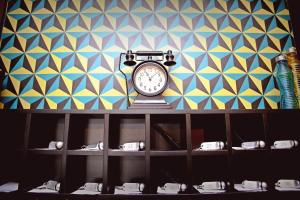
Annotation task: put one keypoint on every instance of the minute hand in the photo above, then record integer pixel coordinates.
(153, 75)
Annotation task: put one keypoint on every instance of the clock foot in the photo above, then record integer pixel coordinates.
(157, 102)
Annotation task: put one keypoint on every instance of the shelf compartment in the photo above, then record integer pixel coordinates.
(252, 166)
(125, 169)
(125, 129)
(40, 169)
(11, 145)
(169, 153)
(207, 128)
(82, 169)
(45, 128)
(283, 126)
(247, 127)
(163, 171)
(210, 168)
(85, 130)
(168, 132)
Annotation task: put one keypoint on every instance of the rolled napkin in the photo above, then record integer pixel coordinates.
(287, 185)
(90, 189)
(130, 188)
(212, 187)
(253, 145)
(55, 145)
(251, 186)
(211, 146)
(133, 146)
(285, 144)
(48, 187)
(172, 188)
(96, 147)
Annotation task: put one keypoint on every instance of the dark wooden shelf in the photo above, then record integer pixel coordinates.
(250, 151)
(42, 151)
(100, 164)
(116, 152)
(84, 153)
(168, 153)
(210, 153)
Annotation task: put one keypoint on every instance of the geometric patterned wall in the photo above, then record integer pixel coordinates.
(64, 54)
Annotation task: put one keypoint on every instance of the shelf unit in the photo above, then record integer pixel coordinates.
(170, 137)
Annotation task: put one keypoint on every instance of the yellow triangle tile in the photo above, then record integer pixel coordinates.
(196, 92)
(32, 93)
(7, 93)
(182, 70)
(47, 70)
(68, 83)
(169, 92)
(205, 82)
(73, 70)
(273, 92)
(209, 70)
(107, 104)
(269, 50)
(84, 92)
(113, 92)
(220, 104)
(6, 62)
(57, 92)
(42, 83)
(24, 103)
(191, 103)
(272, 103)
(246, 103)
(232, 83)
(16, 83)
(52, 104)
(223, 92)
(178, 83)
(249, 92)
(62, 49)
(122, 83)
(13, 22)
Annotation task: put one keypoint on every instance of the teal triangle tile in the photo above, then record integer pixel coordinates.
(209, 76)
(85, 99)
(261, 104)
(244, 85)
(8, 42)
(109, 85)
(57, 99)
(13, 5)
(112, 99)
(235, 76)
(26, 85)
(52, 84)
(260, 76)
(208, 105)
(41, 104)
(46, 77)
(250, 99)
(79, 84)
(224, 99)
(30, 99)
(196, 99)
(216, 84)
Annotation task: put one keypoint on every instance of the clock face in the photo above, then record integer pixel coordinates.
(150, 78)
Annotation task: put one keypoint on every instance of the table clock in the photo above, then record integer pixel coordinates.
(149, 77)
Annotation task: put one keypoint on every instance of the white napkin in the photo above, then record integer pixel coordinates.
(240, 188)
(9, 187)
